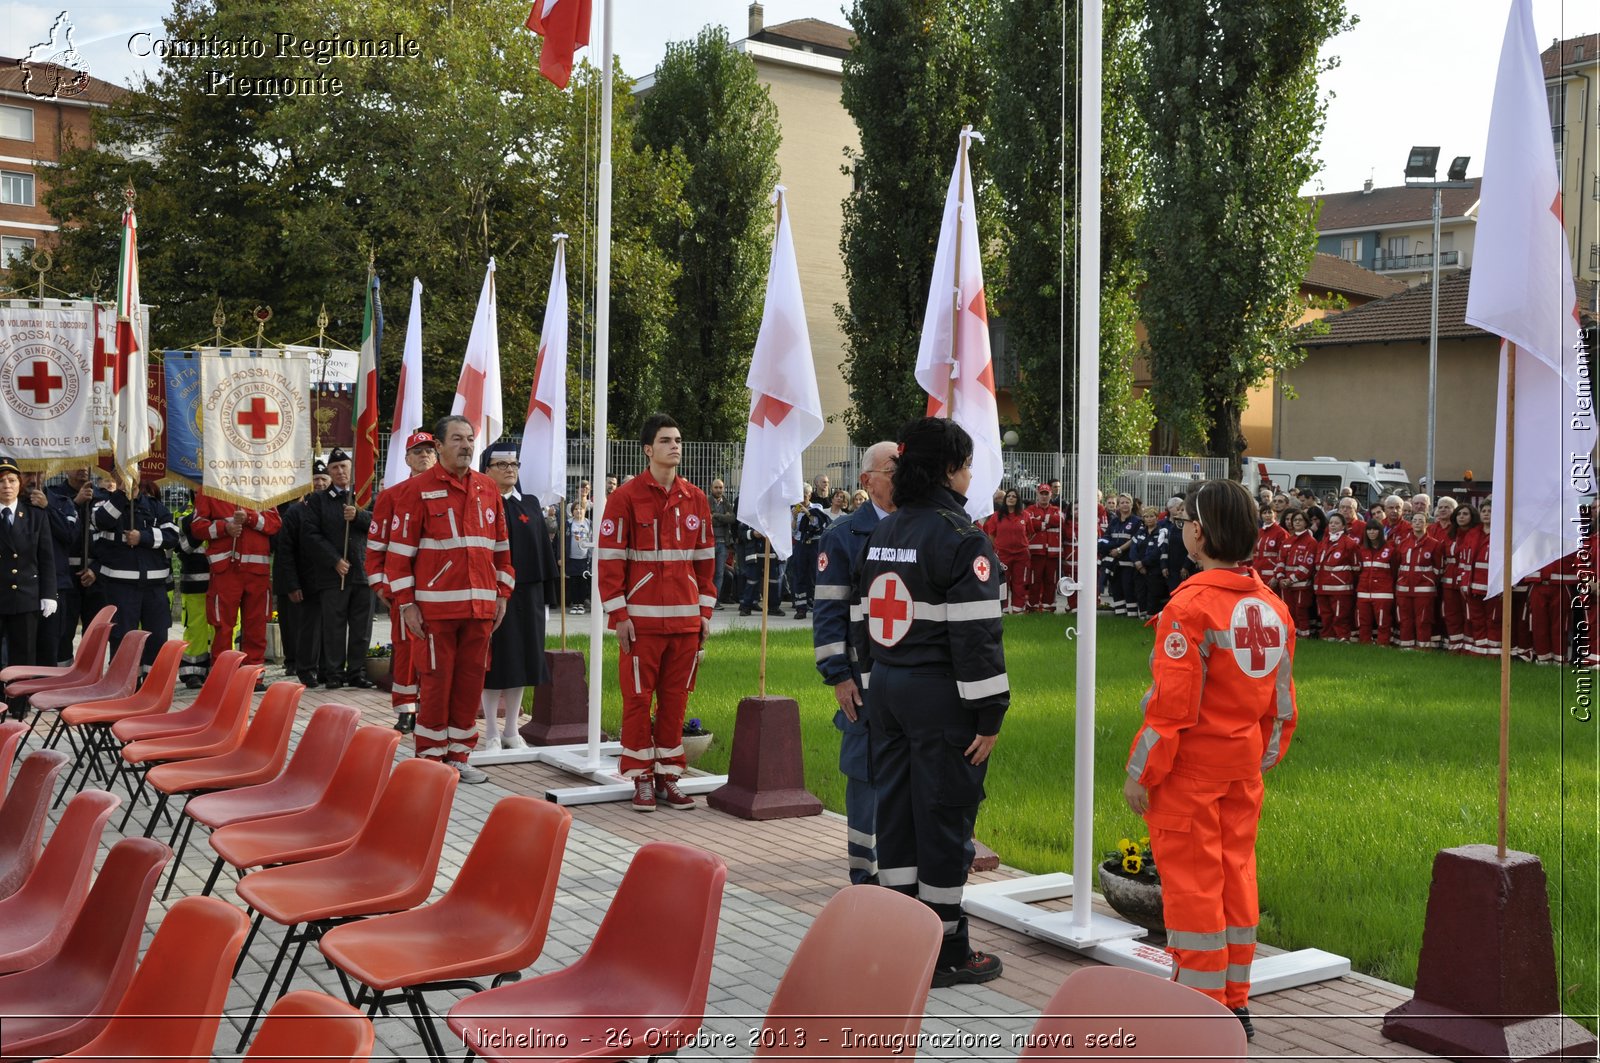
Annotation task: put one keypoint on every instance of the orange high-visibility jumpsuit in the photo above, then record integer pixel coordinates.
(1220, 710)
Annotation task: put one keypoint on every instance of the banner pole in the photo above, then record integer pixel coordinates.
(1506, 610)
(562, 566)
(766, 577)
(955, 295)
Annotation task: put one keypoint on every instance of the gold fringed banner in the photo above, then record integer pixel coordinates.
(256, 413)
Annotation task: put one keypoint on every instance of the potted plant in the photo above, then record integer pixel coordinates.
(1131, 884)
(696, 739)
(274, 650)
(379, 661)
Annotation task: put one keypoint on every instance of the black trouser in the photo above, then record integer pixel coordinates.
(55, 638)
(19, 636)
(142, 605)
(308, 647)
(751, 599)
(346, 629)
(78, 606)
(289, 623)
(928, 793)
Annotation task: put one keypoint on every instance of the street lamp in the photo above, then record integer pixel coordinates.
(1422, 166)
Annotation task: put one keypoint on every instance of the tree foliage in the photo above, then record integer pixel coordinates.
(1035, 173)
(915, 76)
(1230, 101)
(430, 165)
(708, 104)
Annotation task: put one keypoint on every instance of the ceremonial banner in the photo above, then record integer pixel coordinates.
(46, 393)
(256, 437)
(183, 416)
(130, 366)
(544, 438)
(153, 469)
(407, 395)
(478, 387)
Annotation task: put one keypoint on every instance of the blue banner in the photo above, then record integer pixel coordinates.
(183, 416)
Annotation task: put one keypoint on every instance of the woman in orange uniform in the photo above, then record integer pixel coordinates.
(1219, 712)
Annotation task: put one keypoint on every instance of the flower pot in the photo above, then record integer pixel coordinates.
(1138, 900)
(378, 671)
(274, 650)
(695, 746)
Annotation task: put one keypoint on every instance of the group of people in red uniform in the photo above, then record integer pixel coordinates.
(1037, 548)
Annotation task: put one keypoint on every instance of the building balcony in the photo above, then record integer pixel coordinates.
(1404, 263)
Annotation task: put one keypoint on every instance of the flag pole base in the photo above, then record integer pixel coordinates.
(560, 713)
(766, 776)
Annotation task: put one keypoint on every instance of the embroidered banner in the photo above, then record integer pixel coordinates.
(256, 434)
(183, 416)
(46, 368)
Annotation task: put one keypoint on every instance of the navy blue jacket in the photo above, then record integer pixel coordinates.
(158, 535)
(838, 557)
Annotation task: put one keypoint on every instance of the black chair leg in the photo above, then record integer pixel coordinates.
(155, 817)
(216, 873)
(266, 987)
(123, 826)
(255, 928)
(183, 847)
(425, 1028)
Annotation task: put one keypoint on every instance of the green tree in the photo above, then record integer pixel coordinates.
(1036, 178)
(708, 104)
(914, 77)
(1230, 100)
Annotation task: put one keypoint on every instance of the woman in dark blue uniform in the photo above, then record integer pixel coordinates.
(925, 623)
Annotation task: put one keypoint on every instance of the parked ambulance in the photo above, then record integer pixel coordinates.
(1368, 481)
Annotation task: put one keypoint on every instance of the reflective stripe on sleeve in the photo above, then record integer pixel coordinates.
(984, 688)
(829, 649)
(611, 605)
(832, 592)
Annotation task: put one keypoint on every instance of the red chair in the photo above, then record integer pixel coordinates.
(192, 717)
(301, 784)
(11, 734)
(223, 735)
(34, 920)
(117, 681)
(87, 661)
(258, 759)
(1163, 1020)
(93, 719)
(322, 829)
(61, 1004)
(22, 817)
(390, 867)
(174, 1005)
(667, 906)
(307, 1025)
(492, 921)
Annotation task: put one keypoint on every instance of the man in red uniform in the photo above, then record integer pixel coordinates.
(239, 550)
(422, 454)
(1548, 602)
(1044, 551)
(656, 554)
(448, 570)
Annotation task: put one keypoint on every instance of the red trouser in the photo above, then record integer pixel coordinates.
(1374, 612)
(1203, 838)
(1336, 611)
(1522, 625)
(403, 669)
(451, 663)
(1483, 624)
(1453, 605)
(1416, 620)
(662, 666)
(243, 597)
(1299, 601)
(1017, 580)
(1547, 605)
(1042, 568)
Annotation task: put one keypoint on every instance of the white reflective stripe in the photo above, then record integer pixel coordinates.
(403, 583)
(481, 542)
(829, 649)
(254, 559)
(706, 553)
(708, 601)
(128, 573)
(606, 553)
(928, 611)
(404, 690)
(1241, 935)
(988, 610)
(1195, 940)
(833, 592)
(668, 754)
(463, 732)
(429, 732)
(938, 894)
(402, 550)
(1201, 979)
(502, 545)
(866, 680)
(435, 494)
(471, 594)
(864, 863)
(984, 688)
(897, 876)
(648, 576)
(638, 684)
(376, 545)
(663, 610)
(611, 605)
(866, 841)
(648, 753)
(1375, 596)
(109, 508)
(460, 747)
(1239, 973)
(261, 522)
(508, 578)
(858, 612)
(375, 579)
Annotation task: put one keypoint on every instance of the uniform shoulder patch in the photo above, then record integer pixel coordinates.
(822, 562)
(1175, 645)
(980, 568)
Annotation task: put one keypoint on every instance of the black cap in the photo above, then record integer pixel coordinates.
(319, 468)
(9, 465)
(493, 450)
(337, 455)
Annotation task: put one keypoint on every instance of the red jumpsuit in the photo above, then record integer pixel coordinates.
(1417, 590)
(1213, 722)
(241, 574)
(1335, 586)
(1044, 555)
(1548, 606)
(1375, 592)
(449, 559)
(1009, 533)
(1269, 545)
(1455, 579)
(1297, 560)
(656, 555)
(1483, 614)
(403, 666)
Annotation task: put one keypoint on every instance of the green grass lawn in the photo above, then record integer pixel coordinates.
(1394, 758)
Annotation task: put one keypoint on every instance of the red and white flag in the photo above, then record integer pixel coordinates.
(364, 410)
(478, 388)
(407, 395)
(954, 364)
(129, 366)
(1522, 291)
(544, 438)
(785, 407)
(564, 25)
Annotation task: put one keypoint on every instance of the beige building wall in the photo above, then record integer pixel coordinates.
(1579, 136)
(1371, 401)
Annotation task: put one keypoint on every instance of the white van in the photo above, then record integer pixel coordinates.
(1369, 481)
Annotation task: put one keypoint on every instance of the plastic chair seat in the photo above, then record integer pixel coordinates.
(223, 735)
(87, 662)
(300, 785)
(310, 1025)
(34, 921)
(192, 717)
(22, 817)
(11, 735)
(153, 696)
(119, 680)
(257, 760)
(1165, 1020)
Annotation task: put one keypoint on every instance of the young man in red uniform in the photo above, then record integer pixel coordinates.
(1044, 551)
(448, 570)
(1269, 547)
(656, 553)
(422, 454)
(239, 551)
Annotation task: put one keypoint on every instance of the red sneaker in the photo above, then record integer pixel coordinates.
(644, 795)
(668, 794)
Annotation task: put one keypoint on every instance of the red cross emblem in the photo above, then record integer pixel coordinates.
(257, 418)
(41, 382)
(888, 609)
(822, 562)
(980, 568)
(769, 410)
(1258, 637)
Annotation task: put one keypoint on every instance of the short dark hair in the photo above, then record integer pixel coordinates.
(652, 427)
(442, 425)
(1228, 519)
(929, 448)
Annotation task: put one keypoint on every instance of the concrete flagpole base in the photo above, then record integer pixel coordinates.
(1486, 978)
(560, 713)
(766, 775)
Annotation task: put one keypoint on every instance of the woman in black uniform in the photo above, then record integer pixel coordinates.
(925, 622)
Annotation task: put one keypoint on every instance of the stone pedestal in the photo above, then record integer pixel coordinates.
(1486, 978)
(560, 707)
(766, 776)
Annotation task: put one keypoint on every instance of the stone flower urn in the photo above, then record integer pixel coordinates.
(1137, 898)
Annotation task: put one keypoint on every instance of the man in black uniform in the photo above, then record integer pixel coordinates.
(133, 544)
(299, 609)
(925, 625)
(334, 531)
(27, 591)
(71, 518)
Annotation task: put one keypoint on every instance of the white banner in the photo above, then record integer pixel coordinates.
(257, 436)
(46, 387)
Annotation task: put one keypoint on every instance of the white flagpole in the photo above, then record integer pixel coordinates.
(602, 361)
(1088, 464)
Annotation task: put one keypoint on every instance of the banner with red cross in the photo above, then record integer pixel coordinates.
(256, 439)
(46, 387)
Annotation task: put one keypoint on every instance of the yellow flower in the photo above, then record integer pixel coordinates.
(1144, 843)
(1132, 864)
(1127, 848)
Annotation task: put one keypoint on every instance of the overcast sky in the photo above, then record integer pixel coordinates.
(1412, 71)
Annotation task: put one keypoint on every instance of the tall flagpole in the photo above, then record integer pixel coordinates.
(1506, 610)
(602, 369)
(955, 294)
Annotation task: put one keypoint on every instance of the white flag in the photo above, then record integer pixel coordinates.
(544, 439)
(785, 408)
(1521, 290)
(478, 389)
(130, 365)
(407, 395)
(954, 364)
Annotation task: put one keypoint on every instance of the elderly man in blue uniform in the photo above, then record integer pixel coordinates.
(839, 556)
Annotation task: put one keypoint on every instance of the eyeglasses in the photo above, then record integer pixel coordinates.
(505, 465)
(1179, 522)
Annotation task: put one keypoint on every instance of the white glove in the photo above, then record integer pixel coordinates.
(48, 607)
